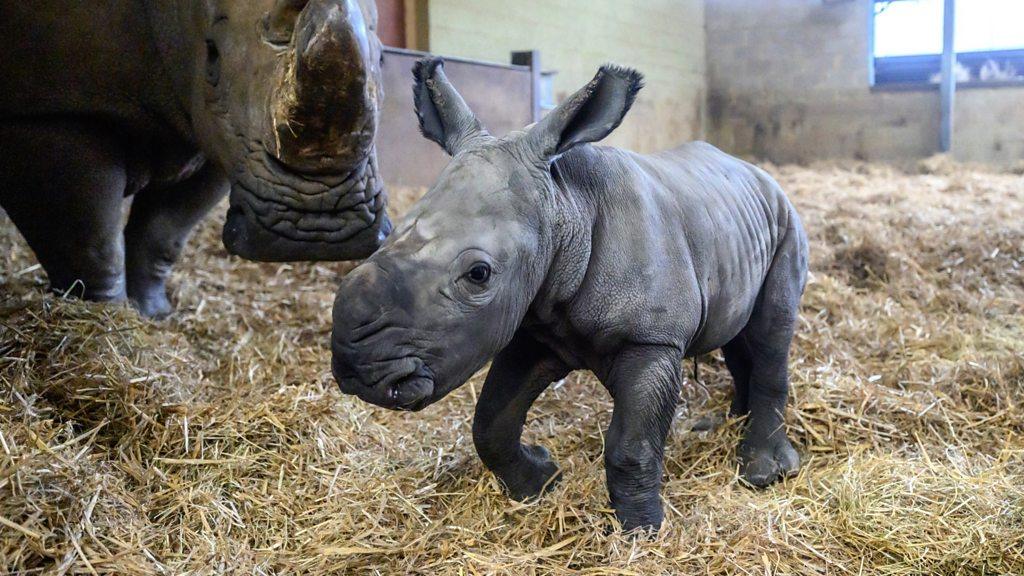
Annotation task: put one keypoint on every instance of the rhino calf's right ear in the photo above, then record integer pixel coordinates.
(444, 116)
(589, 115)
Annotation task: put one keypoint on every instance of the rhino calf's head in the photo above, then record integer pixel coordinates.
(452, 284)
(285, 95)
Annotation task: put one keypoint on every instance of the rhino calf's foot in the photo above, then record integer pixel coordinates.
(531, 475)
(96, 289)
(640, 518)
(146, 278)
(762, 464)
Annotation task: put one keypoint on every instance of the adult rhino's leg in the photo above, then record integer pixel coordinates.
(765, 454)
(517, 377)
(63, 185)
(645, 384)
(158, 227)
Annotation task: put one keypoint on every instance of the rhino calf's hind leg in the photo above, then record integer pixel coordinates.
(63, 185)
(158, 227)
(517, 377)
(737, 360)
(765, 453)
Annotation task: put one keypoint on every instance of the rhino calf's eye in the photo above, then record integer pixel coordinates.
(479, 273)
(212, 63)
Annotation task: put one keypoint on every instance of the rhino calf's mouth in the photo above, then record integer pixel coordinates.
(407, 383)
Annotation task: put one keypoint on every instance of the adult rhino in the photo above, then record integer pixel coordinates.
(175, 102)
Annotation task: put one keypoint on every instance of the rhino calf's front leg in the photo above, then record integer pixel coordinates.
(517, 377)
(644, 381)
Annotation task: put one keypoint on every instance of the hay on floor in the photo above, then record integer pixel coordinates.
(217, 443)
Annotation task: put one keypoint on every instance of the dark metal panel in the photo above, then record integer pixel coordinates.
(500, 94)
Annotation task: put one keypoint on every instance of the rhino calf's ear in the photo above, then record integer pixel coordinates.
(589, 115)
(443, 114)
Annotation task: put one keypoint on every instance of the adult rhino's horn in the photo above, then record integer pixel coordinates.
(324, 114)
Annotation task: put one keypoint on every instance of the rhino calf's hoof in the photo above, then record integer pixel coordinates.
(643, 520)
(534, 474)
(764, 465)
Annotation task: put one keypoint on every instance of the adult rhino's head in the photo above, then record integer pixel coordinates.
(453, 283)
(285, 95)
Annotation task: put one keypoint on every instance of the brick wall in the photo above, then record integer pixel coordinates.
(662, 38)
(788, 81)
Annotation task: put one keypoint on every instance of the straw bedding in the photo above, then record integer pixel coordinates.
(217, 443)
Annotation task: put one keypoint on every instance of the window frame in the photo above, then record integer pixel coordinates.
(911, 73)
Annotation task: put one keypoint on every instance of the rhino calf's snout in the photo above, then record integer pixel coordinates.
(369, 359)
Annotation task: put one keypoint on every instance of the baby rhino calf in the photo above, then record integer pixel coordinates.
(548, 255)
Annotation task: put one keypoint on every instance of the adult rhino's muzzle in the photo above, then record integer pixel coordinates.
(277, 214)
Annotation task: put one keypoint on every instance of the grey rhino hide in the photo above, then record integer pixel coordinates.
(547, 254)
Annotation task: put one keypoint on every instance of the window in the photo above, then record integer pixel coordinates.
(988, 39)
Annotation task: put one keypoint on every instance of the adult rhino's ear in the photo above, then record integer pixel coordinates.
(279, 22)
(589, 115)
(444, 116)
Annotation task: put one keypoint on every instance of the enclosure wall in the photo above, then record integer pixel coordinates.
(663, 38)
(789, 80)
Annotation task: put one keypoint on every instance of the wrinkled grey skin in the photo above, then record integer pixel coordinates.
(175, 102)
(602, 259)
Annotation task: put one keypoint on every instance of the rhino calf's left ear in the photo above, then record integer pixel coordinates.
(444, 116)
(589, 115)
